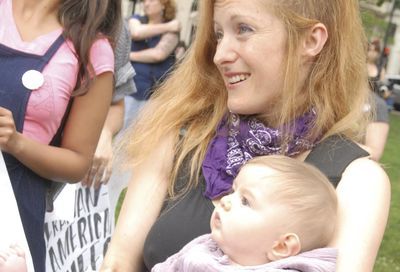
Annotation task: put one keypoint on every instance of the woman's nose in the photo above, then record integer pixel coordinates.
(225, 52)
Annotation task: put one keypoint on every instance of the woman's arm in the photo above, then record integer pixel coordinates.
(101, 168)
(164, 48)
(71, 160)
(141, 31)
(364, 202)
(142, 204)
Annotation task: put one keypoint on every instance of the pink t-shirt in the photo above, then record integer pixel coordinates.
(47, 105)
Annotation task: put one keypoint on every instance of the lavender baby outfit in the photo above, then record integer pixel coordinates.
(203, 255)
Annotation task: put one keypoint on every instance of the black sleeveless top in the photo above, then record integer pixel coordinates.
(188, 217)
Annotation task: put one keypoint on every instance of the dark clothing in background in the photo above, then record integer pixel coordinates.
(148, 74)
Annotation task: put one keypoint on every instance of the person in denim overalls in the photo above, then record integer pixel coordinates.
(66, 156)
(155, 36)
(29, 188)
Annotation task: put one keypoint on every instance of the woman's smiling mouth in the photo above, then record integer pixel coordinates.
(237, 78)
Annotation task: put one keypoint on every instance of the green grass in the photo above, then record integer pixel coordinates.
(119, 203)
(389, 253)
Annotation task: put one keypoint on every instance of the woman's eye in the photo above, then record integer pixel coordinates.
(244, 29)
(218, 35)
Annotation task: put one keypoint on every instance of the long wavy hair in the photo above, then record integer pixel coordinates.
(83, 22)
(194, 96)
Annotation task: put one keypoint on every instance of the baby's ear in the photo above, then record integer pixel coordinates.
(287, 245)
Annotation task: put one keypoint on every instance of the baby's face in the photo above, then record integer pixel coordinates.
(245, 224)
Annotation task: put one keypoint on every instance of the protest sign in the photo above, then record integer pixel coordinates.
(79, 229)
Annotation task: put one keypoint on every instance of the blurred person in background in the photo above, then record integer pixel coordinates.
(101, 169)
(154, 39)
(67, 212)
(378, 129)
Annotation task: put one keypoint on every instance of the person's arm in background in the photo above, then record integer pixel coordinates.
(375, 139)
(71, 160)
(363, 209)
(142, 204)
(163, 49)
(378, 129)
(101, 169)
(141, 31)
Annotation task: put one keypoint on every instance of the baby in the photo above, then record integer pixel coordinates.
(279, 217)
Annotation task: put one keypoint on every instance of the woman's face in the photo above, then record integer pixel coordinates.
(153, 7)
(373, 53)
(250, 54)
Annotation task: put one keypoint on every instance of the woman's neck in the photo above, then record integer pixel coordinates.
(35, 17)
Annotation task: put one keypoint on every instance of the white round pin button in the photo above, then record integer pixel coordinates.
(32, 79)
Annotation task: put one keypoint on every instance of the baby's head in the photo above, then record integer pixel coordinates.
(279, 207)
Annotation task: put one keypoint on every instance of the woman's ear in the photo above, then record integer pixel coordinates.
(315, 40)
(287, 245)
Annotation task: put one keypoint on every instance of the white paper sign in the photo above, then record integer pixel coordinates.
(79, 229)
(11, 229)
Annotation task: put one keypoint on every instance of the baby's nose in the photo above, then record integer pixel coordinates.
(226, 203)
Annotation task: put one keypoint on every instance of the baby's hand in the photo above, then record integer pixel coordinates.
(13, 260)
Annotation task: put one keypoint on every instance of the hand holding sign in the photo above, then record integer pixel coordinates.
(8, 132)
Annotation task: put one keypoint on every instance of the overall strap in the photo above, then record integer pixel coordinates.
(53, 49)
(333, 155)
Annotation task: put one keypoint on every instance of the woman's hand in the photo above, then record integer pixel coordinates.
(13, 259)
(8, 133)
(101, 168)
(174, 25)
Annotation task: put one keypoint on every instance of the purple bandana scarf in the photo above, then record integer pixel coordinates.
(239, 139)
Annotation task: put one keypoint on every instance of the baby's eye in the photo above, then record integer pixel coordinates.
(244, 29)
(245, 201)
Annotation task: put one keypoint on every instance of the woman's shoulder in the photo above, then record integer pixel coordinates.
(365, 169)
(102, 56)
(365, 183)
(334, 154)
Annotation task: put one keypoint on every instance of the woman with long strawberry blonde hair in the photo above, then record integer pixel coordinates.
(261, 77)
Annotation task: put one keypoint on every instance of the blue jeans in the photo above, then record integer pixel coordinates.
(132, 107)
